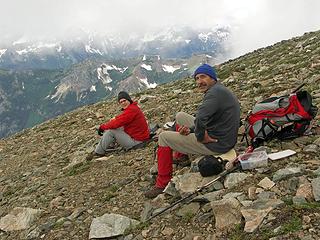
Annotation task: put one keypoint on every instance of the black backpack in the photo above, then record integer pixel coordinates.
(210, 165)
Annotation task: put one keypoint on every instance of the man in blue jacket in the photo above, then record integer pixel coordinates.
(213, 131)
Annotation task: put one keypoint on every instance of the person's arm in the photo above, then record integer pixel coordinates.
(119, 121)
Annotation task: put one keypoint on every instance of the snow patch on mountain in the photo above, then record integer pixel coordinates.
(93, 88)
(146, 67)
(2, 51)
(59, 48)
(187, 41)
(62, 90)
(145, 82)
(90, 49)
(38, 47)
(122, 70)
(103, 75)
(205, 36)
(170, 69)
(23, 51)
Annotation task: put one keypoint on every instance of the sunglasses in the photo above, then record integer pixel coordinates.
(122, 100)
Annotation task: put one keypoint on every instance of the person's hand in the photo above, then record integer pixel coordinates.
(184, 130)
(207, 138)
(100, 131)
(230, 164)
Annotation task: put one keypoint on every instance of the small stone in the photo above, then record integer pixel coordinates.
(167, 231)
(266, 183)
(252, 193)
(298, 200)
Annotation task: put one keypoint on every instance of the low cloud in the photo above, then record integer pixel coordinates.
(253, 23)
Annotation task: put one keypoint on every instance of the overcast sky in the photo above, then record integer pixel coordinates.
(254, 23)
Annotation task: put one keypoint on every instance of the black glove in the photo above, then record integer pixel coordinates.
(100, 131)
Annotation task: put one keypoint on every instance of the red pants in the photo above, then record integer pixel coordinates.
(164, 166)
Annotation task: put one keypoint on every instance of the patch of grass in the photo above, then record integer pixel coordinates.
(78, 169)
(108, 196)
(313, 205)
(59, 223)
(138, 227)
(237, 233)
(294, 224)
(113, 188)
(110, 193)
(187, 216)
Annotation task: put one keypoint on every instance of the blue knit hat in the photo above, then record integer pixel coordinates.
(206, 69)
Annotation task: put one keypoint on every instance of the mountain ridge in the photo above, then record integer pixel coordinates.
(57, 54)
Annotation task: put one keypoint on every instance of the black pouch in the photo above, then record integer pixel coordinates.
(211, 165)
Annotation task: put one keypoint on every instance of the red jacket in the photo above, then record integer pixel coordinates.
(132, 120)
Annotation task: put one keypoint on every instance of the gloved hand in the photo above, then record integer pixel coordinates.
(100, 131)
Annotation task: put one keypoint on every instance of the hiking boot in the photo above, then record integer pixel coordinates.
(93, 155)
(182, 161)
(154, 192)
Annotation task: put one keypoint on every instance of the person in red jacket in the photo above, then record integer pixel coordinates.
(127, 129)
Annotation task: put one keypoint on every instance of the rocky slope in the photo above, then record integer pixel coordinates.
(43, 169)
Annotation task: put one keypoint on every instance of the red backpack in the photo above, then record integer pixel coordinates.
(283, 117)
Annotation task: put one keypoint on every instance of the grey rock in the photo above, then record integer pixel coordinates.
(206, 217)
(232, 195)
(313, 148)
(34, 234)
(209, 197)
(266, 195)
(171, 190)
(317, 172)
(227, 213)
(76, 213)
(316, 188)
(190, 182)
(266, 183)
(234, 179)
(19, 218)
(298, 200)
(110, 225)
(286, 173)
(189, 209)
(257, 211)
(317, 141)
(147, 211)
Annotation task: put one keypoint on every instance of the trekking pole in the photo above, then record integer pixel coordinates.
(199, 189)
(299, 87)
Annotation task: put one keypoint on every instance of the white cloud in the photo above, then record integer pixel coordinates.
(255, 23)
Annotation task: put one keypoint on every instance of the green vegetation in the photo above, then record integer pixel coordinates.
(110, 193)
(138, 227)
(293, 225)
(78, 169)
(237, 233)
(187, 216)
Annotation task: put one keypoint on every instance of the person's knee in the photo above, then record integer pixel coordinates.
(108, 134)
(163, 138)
(180, 116)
